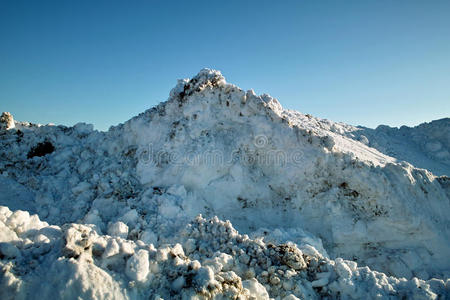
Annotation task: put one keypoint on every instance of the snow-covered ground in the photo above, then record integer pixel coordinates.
(323, 209)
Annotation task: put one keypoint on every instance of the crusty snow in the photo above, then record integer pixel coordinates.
(221, 193)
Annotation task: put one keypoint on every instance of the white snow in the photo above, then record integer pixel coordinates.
(6, 121)
(325, 210)
(118, 229)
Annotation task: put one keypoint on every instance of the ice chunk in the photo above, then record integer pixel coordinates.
(256, 289)
(138, 266)
(118, 229)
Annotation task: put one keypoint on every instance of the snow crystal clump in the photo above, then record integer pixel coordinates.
(7, 121)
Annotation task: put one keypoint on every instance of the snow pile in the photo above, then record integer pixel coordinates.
(125, 204)
(215, 261)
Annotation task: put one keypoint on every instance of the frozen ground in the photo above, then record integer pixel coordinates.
(323, 209)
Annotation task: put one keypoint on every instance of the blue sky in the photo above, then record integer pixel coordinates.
(102, 62)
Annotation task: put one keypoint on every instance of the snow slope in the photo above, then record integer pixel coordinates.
(425, 146)
(332, 210)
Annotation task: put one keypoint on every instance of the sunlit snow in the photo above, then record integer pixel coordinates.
(221, 193)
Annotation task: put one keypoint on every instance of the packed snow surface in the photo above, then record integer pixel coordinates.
(220, 193)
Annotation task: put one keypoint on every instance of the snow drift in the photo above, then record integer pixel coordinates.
(323, 209)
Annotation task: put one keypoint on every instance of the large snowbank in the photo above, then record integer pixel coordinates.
(124, 204)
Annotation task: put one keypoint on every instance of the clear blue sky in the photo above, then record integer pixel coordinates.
(102, 62)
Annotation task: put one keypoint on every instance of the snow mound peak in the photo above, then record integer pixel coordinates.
(213, 79)
(206, 77)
